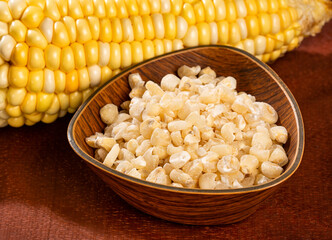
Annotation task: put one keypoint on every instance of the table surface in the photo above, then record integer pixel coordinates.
(47, 192)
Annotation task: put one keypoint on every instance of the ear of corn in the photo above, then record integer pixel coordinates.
(55, 53)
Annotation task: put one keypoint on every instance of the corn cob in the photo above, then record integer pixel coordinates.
(55, 53)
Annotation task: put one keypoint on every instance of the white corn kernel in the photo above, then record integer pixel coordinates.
(177, 139)
(134, 173)
(124, 166)
(109, 113)
(158, 175)
(227, 132)
(261, 141)
(210, 162)
(222, 150)
(248, 164)
(179, 159)
(270, 169)
(184, 179)
(267, 112)
(135, 80)
(185, 71)
(207, 181)
(279, 133)
(278, 156)
(160, 137)
(112, 156)
(261, 154)
(154, 89)
(228, 164)
(261, 179)
(139, 162)
(171, 149)
(169, 82)
(143, 147)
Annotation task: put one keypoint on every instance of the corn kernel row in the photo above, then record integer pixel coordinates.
(54, 53)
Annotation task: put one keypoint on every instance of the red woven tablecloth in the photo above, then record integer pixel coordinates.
(47, 192)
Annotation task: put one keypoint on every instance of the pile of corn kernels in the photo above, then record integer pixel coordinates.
(194, 130)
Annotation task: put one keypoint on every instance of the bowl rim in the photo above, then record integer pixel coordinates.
(295, 107)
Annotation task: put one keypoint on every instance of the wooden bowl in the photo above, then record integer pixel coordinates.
(193, 206)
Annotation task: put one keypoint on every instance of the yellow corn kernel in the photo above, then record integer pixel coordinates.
(280, 41)
(79, 55)
(275, 23)
(243, 27)
(269, 44)
(285, 18)
(138, 28)
(158, 24)
(132, 7)
(253, 26)
(239, 45)
(20, 55)
(181, 27)
(168, 46)
(36, 39)
(105, 30)
(158, 47)
(52, 57)
(249, 45)
(32, 16)
(234, 33)
(83, 79)
(262, 5)
(15, 96)
(83, 31)
(264, 23)
(213, 32)
(293, 14)
(116, 72)
(199, 12)
(18, 30)
(148, 49)
(293, 44)
(204, 34)
(99, 8)
(220, 8)
(148, 27)
(165, 6)
(127, 30)
(273, 6)
(75, 99)
(29, 123)
(231, 11)
(13, 111)
(60, 35)
(274, 55)
(86, 93)
(72, 81)
(289, 35)
(29, 104)
(191, 38)
(16, 121)
(121, 9)
(91, 52)
(266, 57)
(177, 44)
(70, 27)
(4, 29)
(170, 26)
(115, 56)
(5, 16)
(67, 62)
(104, 54)
(34, 117)
(176, 7)
(63, 100)
(143, 7)
(110, 8)
(251, 7)
(106, 74)
(223, 32)
(63, 7)
(39, 3)
(49, 118)
(49, 81)
(60, 81)
(154, 6)
(260, 45)
(116, 30)
(46, 28)
(126, 59)
(44, 101)
(3, 79)
(36, 81)
(17, 7)
(241, 8)
(62, 113)
(136, 52)
(51, 10)
(74, 9)
(18, 76)
(36, 59)
(94, 26)
(283, 3)
(188, 13)
(87, 7)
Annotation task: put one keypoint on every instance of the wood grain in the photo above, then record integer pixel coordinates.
(47, 192)
(179, 205)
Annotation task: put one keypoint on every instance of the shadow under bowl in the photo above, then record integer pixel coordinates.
(193, 206)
